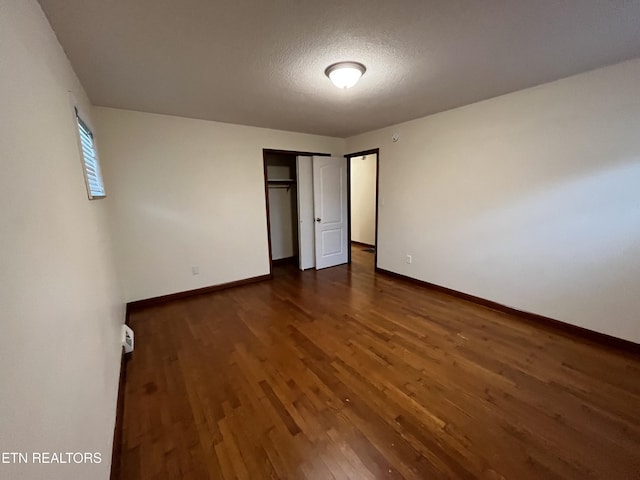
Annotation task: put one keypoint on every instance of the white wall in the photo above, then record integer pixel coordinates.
(186, 193)
(61, 309)
(531, 199)
(363, 199)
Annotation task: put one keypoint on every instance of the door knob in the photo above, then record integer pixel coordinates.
(317, 220)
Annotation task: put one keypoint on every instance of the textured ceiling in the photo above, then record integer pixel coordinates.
(261, 62)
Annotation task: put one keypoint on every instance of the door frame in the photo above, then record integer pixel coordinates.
(294, 153)
(349, 156)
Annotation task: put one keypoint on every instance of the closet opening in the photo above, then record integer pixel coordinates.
(281, 193)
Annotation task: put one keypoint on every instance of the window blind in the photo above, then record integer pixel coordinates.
(95, 185)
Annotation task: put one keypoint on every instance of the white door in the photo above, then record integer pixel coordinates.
(330, 209)
(306, 220)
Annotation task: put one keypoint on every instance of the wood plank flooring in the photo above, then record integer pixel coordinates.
(345, 374)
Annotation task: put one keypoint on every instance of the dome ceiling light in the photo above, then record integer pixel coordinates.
(345, 74)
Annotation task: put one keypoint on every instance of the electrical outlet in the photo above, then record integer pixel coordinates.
(195, 270)
(409, 258)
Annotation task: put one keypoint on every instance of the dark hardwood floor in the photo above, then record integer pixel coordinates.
(343, 373)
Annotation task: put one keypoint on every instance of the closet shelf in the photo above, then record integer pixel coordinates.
(281, 183)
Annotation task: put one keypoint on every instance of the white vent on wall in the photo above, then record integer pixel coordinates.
(127, 339)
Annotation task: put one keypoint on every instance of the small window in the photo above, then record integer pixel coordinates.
(92, 175)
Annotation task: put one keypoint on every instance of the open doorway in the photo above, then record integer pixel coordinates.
(363, 204)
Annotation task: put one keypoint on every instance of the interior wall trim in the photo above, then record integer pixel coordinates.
(547, 322)
(190, 293)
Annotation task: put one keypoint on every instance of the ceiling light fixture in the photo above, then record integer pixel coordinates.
(345, 74)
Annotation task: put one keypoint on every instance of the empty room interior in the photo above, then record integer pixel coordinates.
(319, 240)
